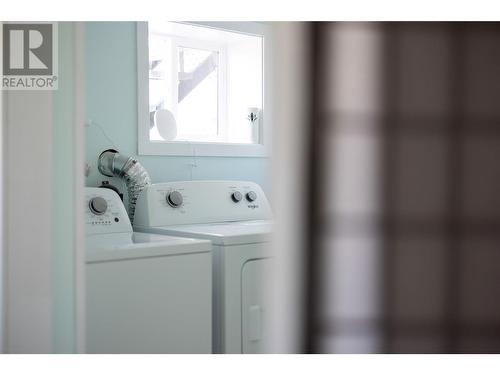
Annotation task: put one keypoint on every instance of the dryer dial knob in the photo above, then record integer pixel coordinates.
(236, 196)
(98, 205)
(175, 199)
(251, 196)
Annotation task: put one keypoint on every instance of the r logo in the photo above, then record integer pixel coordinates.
(27, 49)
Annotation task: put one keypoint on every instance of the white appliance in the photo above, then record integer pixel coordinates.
(236, 217)
(145, 293)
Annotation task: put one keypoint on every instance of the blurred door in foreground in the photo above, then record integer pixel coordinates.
(406, 190)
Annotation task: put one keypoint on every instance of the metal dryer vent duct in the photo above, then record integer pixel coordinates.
(112, 163)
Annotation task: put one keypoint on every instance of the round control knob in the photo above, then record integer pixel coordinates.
(251, 196)
(98, 205)
(174, 199)
(236, 196)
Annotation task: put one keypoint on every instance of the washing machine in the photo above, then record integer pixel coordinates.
(236, 217)
(145, 293)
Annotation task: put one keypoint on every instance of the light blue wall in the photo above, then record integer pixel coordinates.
(63, 280)
(111, 101)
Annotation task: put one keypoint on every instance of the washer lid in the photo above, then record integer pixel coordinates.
(227, 233)
(119, 246)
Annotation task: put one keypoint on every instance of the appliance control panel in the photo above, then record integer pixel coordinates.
(192, 202)
(105, 212)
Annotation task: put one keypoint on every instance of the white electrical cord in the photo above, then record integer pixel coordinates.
(91, 122)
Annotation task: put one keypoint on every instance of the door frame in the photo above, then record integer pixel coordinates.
(26, 190)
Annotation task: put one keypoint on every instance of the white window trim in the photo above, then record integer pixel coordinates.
(177, 148)
(222, 123)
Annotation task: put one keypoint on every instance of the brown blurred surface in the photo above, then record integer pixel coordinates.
(406, 224)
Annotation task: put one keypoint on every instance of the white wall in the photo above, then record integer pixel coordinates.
(28, 224)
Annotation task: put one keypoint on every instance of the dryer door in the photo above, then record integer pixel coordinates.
(255, 309)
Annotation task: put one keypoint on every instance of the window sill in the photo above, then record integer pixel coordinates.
(202, 149)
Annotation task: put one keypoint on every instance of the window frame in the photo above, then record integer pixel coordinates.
(178, 42)
(188, 148)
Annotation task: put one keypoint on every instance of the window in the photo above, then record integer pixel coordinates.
(201, 89)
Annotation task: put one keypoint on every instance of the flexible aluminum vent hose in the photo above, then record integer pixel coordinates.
(112, 163)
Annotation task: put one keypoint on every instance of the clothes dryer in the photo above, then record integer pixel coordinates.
(236, 217)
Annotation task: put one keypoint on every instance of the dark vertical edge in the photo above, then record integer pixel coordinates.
(455, 172)
(388, 143)
(316, 91)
